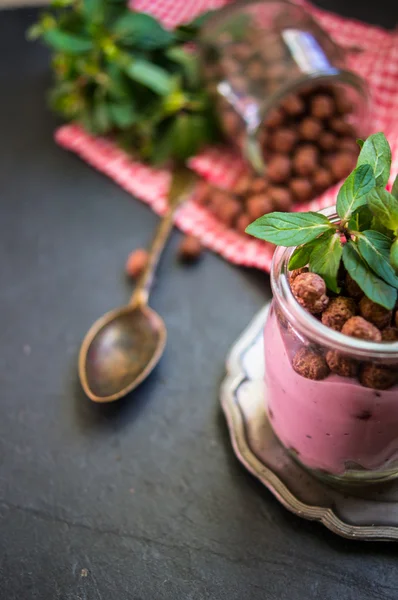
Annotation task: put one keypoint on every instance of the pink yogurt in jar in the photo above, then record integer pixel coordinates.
(334, 426)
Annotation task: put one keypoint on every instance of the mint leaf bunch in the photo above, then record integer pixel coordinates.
(119, 72)
(366, 237)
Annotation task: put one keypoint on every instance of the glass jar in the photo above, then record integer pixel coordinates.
(333, 425)
(264, 62)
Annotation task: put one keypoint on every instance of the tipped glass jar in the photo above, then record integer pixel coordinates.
(332, 399)
(284, 95)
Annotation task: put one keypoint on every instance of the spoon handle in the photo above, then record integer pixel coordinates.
(182, 184)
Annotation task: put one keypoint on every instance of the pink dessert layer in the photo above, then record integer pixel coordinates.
(331, 422)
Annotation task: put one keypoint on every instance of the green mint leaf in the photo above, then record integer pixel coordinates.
(375, 288)
(119, 84)
(67, 42)
(182, 139)
(100, 117)
(93, 10)
(142, 31)
(394, 255)
(123, 114)
(394, 190)
(151, 76)
(289, 229)
(189, 63)
(86, 120)
(361, 219)
(352, 193)
(374, 247)
(360, 142)
(384, 207)
(301, 256)
(376, 152)
(325, 258)
(377, 226)
(189, 133)
(163, 148)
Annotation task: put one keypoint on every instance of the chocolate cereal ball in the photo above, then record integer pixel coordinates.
(309, 289)
(322, 179)
(228, 211)
(341, 365)
(242, 185)
(190, 249)
(327, 140)
(281, 198)
(293, 105)
(360, 328)
(378, 377)
(390, 334)
(376, 314)
(258, 205)
(343, 104)
(283, 140)
(339, 310)
(242, 222)
(352, 288)
(322, 106)
(305, 160)
(341, 164)
(301, 188)
(349, 144)
(310, 364)
(136, 262)
(340, 126)
(278, 168)
(296, 272)
(258, 185)
(275, 118)
(310, 129)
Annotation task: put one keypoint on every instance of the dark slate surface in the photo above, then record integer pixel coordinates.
(144, 499)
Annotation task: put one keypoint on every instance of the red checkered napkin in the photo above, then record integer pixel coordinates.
(377, 62)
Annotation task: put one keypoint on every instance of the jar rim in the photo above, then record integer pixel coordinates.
(309, 325)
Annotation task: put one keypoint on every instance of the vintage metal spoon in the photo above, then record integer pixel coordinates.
(122, 347)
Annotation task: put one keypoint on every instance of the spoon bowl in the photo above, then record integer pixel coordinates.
(119, 352)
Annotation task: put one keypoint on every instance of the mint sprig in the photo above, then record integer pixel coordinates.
(120, 72)
(366, 237)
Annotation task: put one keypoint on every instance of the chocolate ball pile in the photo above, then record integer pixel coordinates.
(307, 140)
(353, 314)
(308, 143)
(248, 200)
(314, 144)
(303, 153)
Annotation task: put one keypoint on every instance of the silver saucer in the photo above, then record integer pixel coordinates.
(369, 513)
